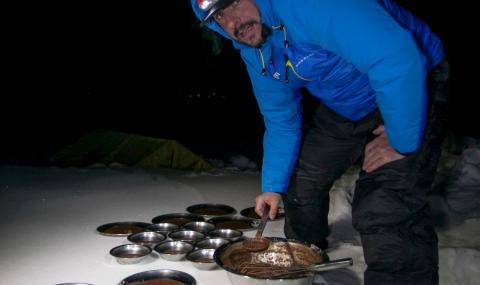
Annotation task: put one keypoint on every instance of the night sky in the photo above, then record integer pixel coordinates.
(148, 69)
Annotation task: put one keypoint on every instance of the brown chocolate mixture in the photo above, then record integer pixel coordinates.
(172, 251)
(253, 215)
(242, 261)
(235, 225)
(237, 256)
(210, 211)
(177, 221)
(159, 282)
(204, 260)
(123, 229)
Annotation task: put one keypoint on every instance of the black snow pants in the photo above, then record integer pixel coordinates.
(390, 206)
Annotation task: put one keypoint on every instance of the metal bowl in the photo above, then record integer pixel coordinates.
(178, 219)
(163, 228)
(235, 222)
(211, 243)
(173, 250)
(202, 259)
(130, 253)
(186, 235)
(149, 239)
(162, 274)
(201, 227)
(228, 234)
(211, 210)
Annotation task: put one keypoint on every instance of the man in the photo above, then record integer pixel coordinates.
(366, 62)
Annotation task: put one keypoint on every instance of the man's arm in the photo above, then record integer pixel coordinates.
(282, 113)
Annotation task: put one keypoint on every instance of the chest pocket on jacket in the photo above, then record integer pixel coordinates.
(300, 64)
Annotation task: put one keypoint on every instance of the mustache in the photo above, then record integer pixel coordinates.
(243, 26)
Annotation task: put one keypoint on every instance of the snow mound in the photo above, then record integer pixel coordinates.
(243, 163)
(459, 266)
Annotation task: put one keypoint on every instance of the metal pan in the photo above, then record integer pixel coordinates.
(121, 229)
(209, 211)
(73, 284)
(232, 256)
(157, 275)
(178, 219)
(235, 223)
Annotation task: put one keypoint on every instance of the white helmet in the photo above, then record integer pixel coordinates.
(212, 6)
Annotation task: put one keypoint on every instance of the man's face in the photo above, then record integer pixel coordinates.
(241, 20)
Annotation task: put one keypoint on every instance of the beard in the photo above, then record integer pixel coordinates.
(265, 32)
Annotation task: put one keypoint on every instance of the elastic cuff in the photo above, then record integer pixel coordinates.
(405, 153)
(279, 191)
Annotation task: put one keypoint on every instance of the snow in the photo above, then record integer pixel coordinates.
(50, 216)
(243, 163)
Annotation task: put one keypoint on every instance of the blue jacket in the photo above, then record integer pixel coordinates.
(354, 55)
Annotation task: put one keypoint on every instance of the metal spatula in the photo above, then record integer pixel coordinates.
(258, 243)
(267, 270)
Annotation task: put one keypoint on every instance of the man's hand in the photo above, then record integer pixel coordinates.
(378, 152)
(269, 198)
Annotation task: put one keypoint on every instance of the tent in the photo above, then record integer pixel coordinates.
(106, 147)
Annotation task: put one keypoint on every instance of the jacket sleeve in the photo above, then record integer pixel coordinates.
(425, 38)
(282, 114)
(363, 33)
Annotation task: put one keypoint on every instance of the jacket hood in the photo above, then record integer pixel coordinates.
(266, 14)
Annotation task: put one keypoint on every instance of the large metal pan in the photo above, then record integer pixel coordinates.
(282, 252)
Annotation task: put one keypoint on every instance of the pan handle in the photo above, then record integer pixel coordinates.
(333, 264)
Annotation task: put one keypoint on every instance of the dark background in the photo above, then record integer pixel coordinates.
(148, 69)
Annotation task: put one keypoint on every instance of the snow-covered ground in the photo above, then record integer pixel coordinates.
(50, 216)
